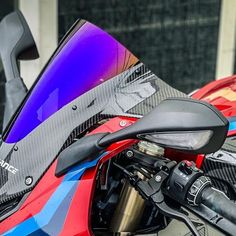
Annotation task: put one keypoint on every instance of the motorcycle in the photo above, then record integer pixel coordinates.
(99, 144)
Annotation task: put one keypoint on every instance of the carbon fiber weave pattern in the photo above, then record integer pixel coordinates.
(132, 93)
(221, 168)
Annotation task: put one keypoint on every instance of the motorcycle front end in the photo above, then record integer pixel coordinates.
(97, 145)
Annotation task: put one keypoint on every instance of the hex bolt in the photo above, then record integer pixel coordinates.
(28, 180)
(123, 123)
(158, 178)
(129, 154)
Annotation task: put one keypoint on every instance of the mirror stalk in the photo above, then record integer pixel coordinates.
(16, 42)
(15, 91)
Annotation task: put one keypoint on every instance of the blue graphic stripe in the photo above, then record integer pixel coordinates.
(54, 227)
(232, 125)
(40, 221)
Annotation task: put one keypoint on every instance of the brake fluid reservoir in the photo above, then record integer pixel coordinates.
(151, 149)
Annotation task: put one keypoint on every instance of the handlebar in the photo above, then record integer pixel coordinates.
(188, 185)
(216, 200)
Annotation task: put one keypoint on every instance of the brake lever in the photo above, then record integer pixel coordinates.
(169, 212)
(151, 190)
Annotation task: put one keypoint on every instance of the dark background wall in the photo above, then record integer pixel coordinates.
(177, 39)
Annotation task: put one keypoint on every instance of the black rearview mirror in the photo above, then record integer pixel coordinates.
(183, 124)
(16, 42)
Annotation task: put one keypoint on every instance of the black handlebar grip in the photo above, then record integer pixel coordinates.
(218, 202)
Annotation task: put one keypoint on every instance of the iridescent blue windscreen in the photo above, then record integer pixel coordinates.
(88, 57)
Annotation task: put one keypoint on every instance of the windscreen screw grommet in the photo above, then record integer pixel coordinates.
(74, 107)
(28, 180)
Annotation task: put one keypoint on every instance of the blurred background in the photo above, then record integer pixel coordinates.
(187, 43)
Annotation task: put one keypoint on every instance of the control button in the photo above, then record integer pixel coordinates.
(186, 167)
(188, 163)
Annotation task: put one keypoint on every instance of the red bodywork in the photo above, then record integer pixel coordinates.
(221, 94)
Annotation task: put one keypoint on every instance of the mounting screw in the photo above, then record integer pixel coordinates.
(15, 148)
(138, 70)
(28, 180)
(123, 123)
(158, 178)
(219, 155)
(129, 154)
(74, 107)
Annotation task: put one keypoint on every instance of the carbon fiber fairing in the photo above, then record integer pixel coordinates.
(221, 167)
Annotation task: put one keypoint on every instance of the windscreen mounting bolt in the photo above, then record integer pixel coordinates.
(74, 107)
(28, 180)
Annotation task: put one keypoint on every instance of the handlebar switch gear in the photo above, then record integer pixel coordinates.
(195, 191)
(182, 178)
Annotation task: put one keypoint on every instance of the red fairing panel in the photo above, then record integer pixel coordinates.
(222, 94)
